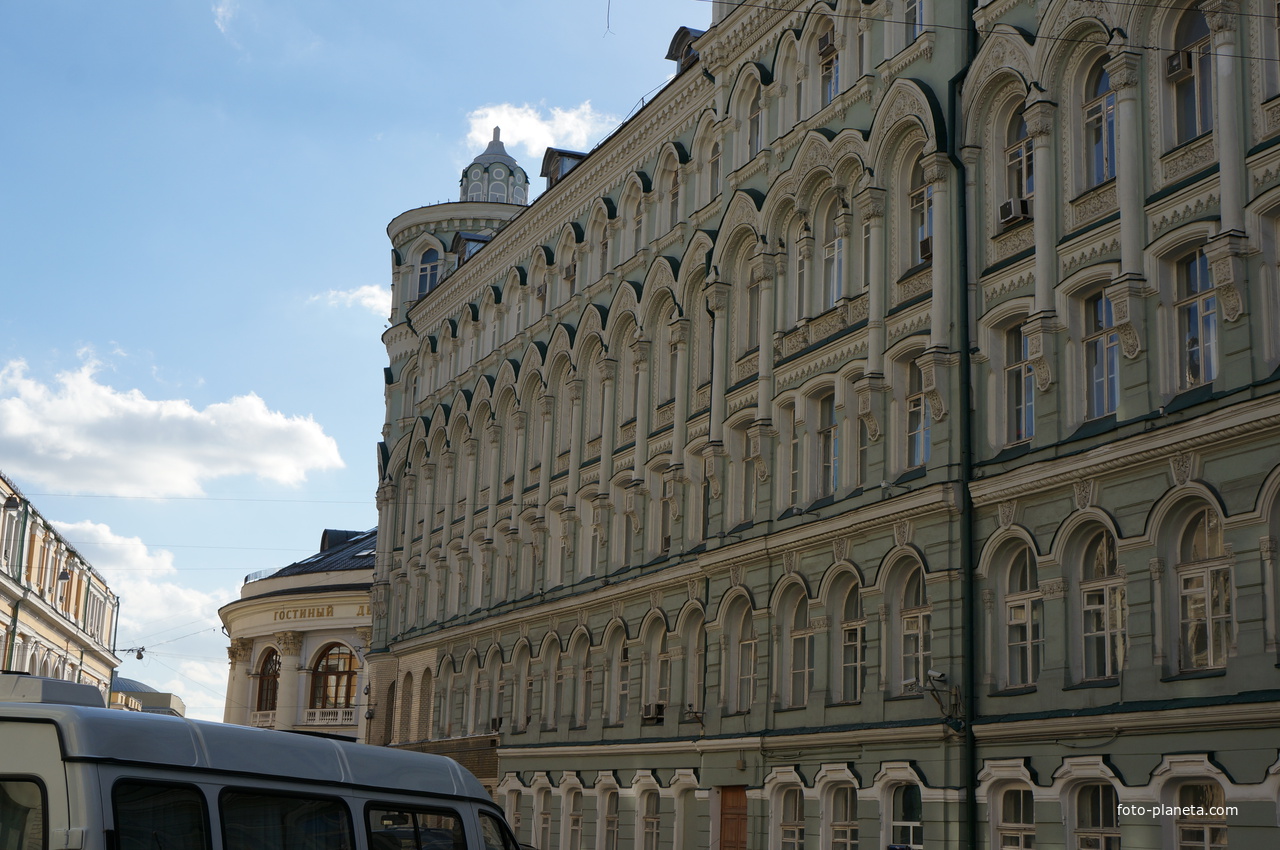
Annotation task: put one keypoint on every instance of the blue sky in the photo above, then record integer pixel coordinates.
(194, 267)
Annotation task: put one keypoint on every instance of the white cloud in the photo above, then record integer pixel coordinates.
(223, 12)
(531, 128)
(375, 299)
(81, 436)
(177, 624)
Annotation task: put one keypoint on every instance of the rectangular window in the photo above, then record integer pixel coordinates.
(917, 650)
(832, 272)
(793, 437)
(1104, 632)
(1206, 616)
(801, 668)
(918, 415)
(1100, 138)
(150, 815)
(746, 674)
(913, 17)
(254, 820)
(752, 330)
(1020, 387)
(399, 828)
(610, 820)
(1024, 625)
(830, 78)
(1102, 350)
(828, 447)
(22, 816)
(1197, 320)
(853, 660)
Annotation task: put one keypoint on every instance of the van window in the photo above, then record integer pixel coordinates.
(21, 815)
(254, 820)
(415, 829)
(496, 835)
(160, 816)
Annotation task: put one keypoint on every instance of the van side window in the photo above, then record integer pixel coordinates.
(21, 815)
(159, 816)
(495, 833)
(415, 829)
(253, 819)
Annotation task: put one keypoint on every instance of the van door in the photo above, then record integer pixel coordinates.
(33, 790)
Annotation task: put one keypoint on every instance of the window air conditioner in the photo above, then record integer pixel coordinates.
(826, 44)
(1015, 209)
(495, 724)
(926, 248)
(654, 712)
(1177, 66)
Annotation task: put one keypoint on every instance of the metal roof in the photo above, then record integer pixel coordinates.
(154, 739)
(353, 553)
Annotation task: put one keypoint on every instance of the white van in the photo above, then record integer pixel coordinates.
(77, 776)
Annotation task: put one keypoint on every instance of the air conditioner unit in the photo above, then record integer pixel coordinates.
(1177, 66)
(926, 248)
(495, 724)
(654, 712)
(1015, 209)
(826, 44)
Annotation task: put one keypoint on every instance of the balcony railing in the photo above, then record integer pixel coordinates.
(330, 717)
(263, 719)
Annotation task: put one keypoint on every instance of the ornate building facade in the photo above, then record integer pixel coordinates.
(298, 639)
(59, 614)
(873, 441)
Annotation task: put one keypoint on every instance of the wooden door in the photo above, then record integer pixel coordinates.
(733, 817)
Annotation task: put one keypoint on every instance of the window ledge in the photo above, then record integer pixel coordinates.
(903, 697)
(1014, 692)
(1188, 675)
(1113, 682)
(784, 709)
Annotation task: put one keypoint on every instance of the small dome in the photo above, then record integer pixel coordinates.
(495, 152)
(494, 176)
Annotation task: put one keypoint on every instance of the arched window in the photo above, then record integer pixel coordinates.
(1100, 125)
(741, 646)
(1096, 822)
(475, 192)
(1204, 582)
(609, 820)
(498, 192)
(1017, 824)
(1024, 621)
(650, 820)
(713, 171)
(657, 675)
(428, 271)
(1190, 69)
(268, 681)
(333, 681)
(573, 819)
(828, 62)
(798, 649)
(853, 646)
(917, 634)
(1197, 310)
(1102, 603)
(920, 204)
(637, 225)
(1019, 172)
(907, 827)
(1200, 823)
(755, 123)
(792, 821)
(844, 818)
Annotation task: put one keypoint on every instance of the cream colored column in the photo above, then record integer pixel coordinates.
(937, 171)
(1228, 123)
(684, 390)
(871, 208)
(644, 408)
(237, 708)
(718, 303)
(292, 692)
(1040, 126)
(1125, 77)
(608, 374)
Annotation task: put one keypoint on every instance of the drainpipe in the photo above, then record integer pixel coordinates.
(968, 560)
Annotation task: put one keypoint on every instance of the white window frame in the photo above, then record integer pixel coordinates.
(1197, 318)
(1206, 606)
(1102, 357)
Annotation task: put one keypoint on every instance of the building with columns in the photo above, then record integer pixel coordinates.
(874, 441)
(299, 635)
(57, 613)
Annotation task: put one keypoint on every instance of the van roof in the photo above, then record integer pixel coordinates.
(130, 736)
